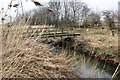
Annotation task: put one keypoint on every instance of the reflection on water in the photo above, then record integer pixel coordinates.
(86, 70)
(55, 50)
(89, 67)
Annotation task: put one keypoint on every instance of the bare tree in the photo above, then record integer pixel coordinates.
(37, 19)
(85, 13)
(93, 20)
(54, 18)
(75, 8)
(109, 19)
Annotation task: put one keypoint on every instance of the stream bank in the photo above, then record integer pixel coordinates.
(104, 66)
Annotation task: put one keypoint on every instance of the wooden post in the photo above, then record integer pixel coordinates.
(62, 34)
(54, 33)
(62, 38)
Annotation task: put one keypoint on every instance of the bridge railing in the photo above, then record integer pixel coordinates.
(48, 32)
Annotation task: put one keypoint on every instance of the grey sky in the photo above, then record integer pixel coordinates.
(96, 5)
(103, 4)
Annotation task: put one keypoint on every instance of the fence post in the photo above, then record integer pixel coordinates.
(61, 34)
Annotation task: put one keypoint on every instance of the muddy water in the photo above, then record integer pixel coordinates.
(90, 68)
(97, 69)
(88, 71)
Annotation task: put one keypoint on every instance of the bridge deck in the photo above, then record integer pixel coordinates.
(60, 35)
(50, 32)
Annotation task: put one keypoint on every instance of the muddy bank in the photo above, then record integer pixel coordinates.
(83, 47)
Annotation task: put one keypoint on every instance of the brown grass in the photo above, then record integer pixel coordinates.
(26, 58)
(101, 38)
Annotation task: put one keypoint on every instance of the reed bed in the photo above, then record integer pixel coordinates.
(24, 57)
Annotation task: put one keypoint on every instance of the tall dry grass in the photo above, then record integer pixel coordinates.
(25, 57)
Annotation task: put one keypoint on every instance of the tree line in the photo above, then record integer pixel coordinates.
(70, 14)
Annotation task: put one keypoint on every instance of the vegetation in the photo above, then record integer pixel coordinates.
(72, 14)
(26, 56)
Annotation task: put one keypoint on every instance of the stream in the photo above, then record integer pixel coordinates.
(89, 67)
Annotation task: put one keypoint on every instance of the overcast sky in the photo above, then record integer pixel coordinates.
(103, 4)
(96, 5)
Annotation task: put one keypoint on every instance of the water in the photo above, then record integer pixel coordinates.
(89, 67)
(55, 50)
(87, 70)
